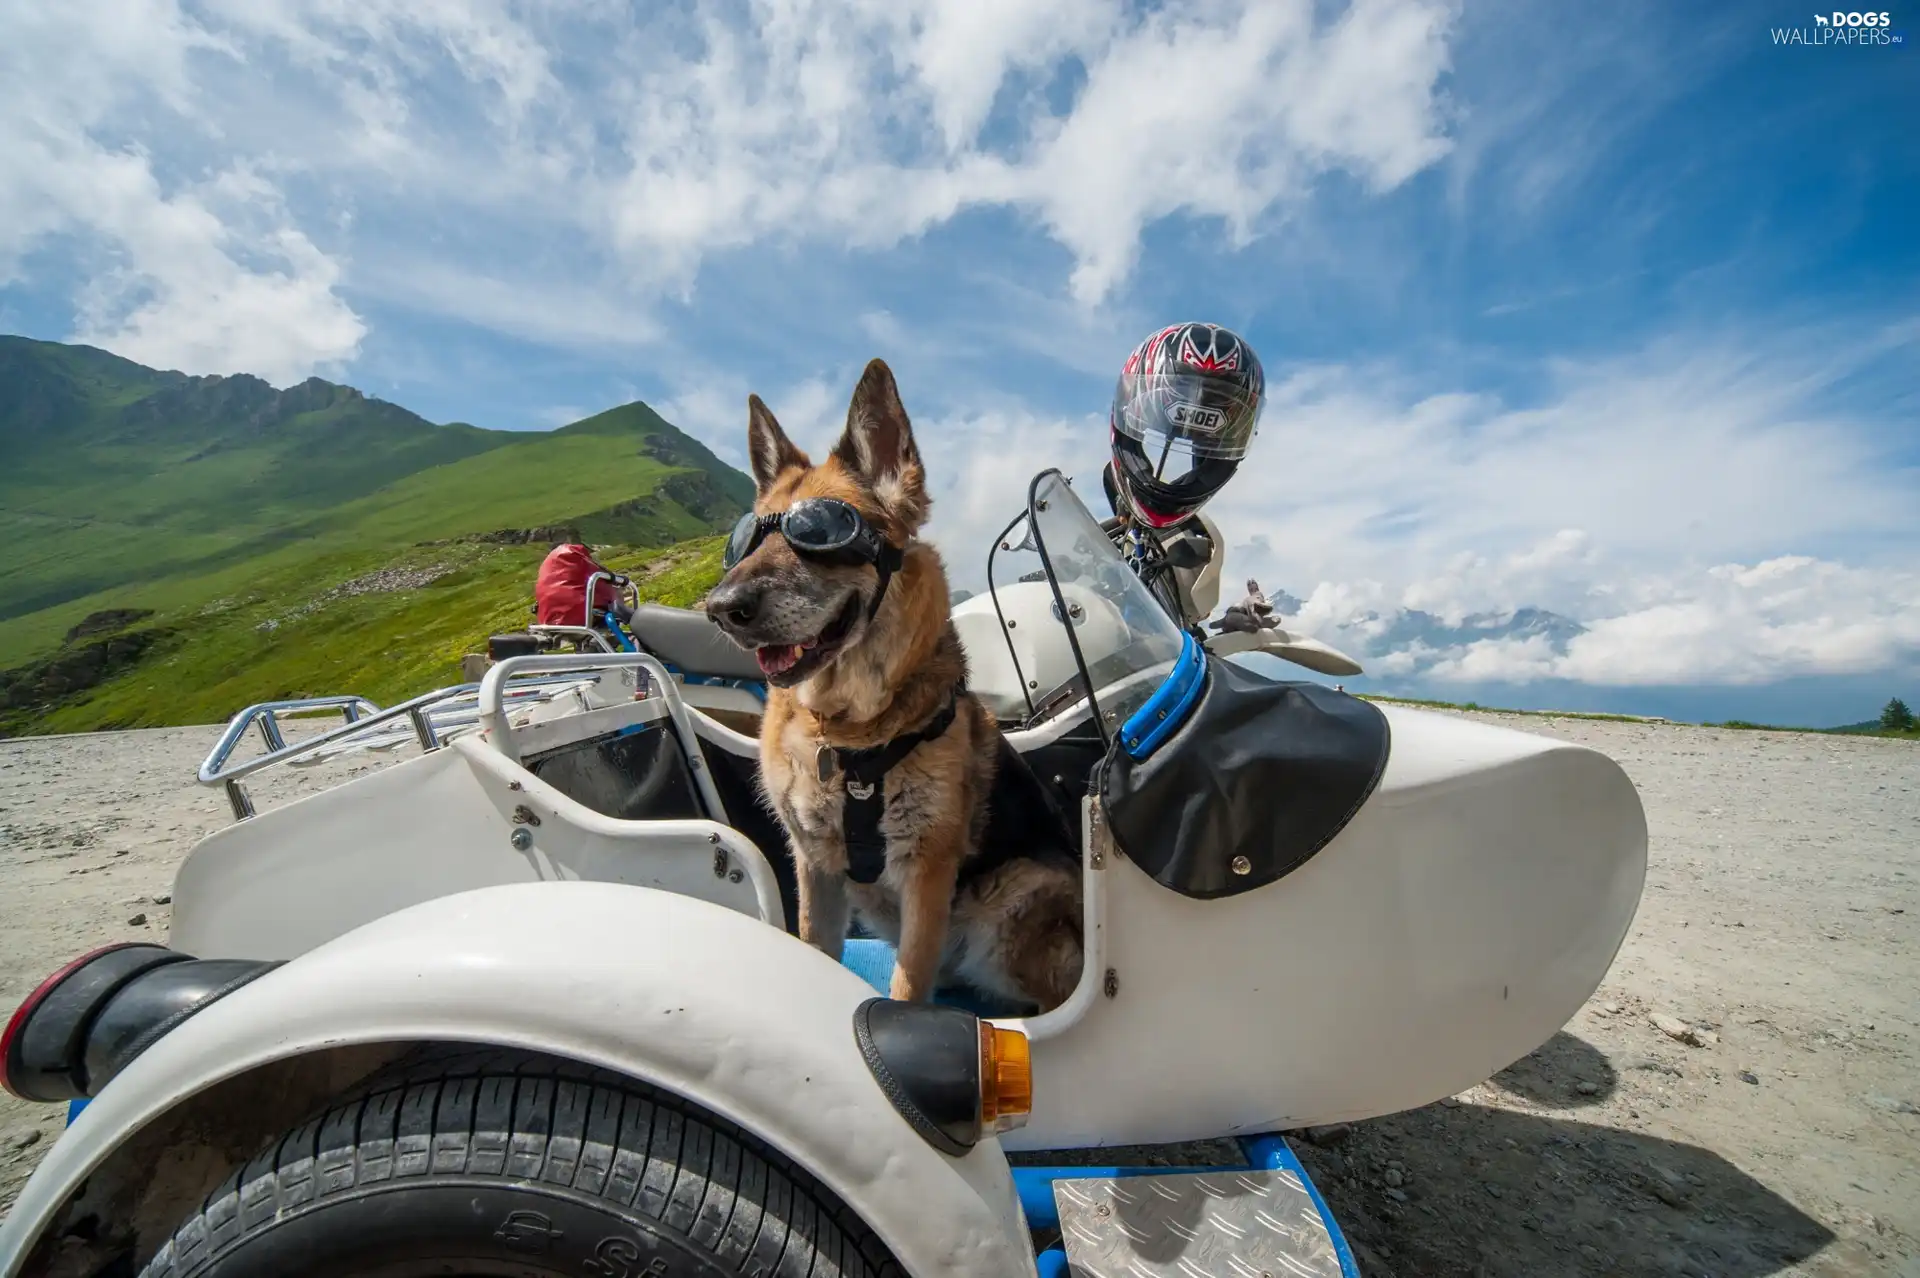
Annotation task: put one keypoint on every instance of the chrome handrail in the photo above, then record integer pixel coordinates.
(361, 717)
(621, 583)
(499, 733)
(265, 716)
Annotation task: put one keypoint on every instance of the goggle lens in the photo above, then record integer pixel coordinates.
(817, 526)
(821, 525)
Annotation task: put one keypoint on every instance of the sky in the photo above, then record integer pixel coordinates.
(1614, 313)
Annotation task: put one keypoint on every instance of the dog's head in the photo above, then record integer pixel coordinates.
(799, 612)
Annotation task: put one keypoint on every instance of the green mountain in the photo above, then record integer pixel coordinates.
(144, 515)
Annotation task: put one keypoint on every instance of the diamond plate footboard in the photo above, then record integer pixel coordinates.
(1217, 1224)
(1264, 1219)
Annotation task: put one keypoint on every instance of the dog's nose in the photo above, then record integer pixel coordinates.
(736, 605)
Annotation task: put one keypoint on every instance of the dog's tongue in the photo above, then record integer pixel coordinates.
(778, 658)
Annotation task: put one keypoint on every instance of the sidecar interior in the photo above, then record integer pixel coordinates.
(639, 772)
(651, 786)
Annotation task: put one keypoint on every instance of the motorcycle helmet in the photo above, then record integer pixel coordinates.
(1184, 415)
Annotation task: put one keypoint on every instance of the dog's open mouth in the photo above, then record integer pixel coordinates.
(786, 664)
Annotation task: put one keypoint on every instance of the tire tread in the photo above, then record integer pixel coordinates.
(520, 1117)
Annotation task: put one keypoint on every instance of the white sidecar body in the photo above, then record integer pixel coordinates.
(1474, 899)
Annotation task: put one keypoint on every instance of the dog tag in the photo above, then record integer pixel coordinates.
(826, 762)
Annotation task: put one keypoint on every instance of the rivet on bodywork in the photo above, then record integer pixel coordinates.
(521, 838)
(1242, 866)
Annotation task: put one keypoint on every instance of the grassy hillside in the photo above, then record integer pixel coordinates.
(386, 626)
(197, 510)
(115, 472)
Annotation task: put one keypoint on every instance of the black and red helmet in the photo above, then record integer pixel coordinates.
(1184, 414)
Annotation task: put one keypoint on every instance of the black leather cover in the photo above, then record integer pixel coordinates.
(1262, 769)
(1025, 819)
(691, 641)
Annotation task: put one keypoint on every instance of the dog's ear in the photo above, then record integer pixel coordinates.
(878, 446)
(769, 451)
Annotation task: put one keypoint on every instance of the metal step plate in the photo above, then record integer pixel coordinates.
(1216, 1224)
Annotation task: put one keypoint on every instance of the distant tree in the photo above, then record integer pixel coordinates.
(1896, 717)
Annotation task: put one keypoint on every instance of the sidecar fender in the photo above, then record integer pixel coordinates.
(701, 1001)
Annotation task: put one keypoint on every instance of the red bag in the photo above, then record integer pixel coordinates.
(560, 591)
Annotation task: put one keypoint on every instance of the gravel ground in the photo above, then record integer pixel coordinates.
(1741, 1097)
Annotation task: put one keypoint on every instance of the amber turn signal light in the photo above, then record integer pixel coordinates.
(1006, 1078)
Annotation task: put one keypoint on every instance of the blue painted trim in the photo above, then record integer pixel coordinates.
(1272, 1153)
(1052, 1263)
(1168, 707)
(757, 689)
(73, 1109)
(871, 959)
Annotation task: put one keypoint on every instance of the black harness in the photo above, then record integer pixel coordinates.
(1023, 818)
(866, 788)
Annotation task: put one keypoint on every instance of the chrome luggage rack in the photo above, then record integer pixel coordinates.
(430, 720)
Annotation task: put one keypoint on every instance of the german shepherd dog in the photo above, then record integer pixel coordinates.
(872, 753)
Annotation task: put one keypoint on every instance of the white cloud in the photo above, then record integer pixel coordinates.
(1726, 624)
(1228, 120)
(519, 302)
(868, 124)
(1646, 496)
(979, 467)
(711, 405)
(1687, 453)
(210, 279)
(1733, 624)
(229, 156)
(205, 274)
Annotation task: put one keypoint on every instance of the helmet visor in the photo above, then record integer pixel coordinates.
(1201, 416)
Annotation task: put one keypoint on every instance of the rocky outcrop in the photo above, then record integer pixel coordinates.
(106, 622)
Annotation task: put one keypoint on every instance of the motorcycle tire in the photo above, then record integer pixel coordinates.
(517, 1165)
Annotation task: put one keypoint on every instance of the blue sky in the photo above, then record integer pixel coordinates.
(1616, 314)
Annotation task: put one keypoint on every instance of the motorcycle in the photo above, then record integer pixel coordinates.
(529, 999)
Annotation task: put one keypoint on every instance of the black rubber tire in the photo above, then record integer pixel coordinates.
(493, 1163)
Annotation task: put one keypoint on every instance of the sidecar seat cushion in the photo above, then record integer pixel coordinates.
(872, 961)
(688, 639)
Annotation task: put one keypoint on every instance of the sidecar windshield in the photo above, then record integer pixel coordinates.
(1125, 642)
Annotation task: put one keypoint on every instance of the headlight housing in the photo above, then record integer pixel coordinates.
(951, 1075)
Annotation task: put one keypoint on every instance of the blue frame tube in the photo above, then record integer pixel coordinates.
(1148, 728)
(1268, 1152)
(1052, 1263)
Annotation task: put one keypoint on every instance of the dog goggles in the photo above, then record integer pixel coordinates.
(823, 528)
(819, 528)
